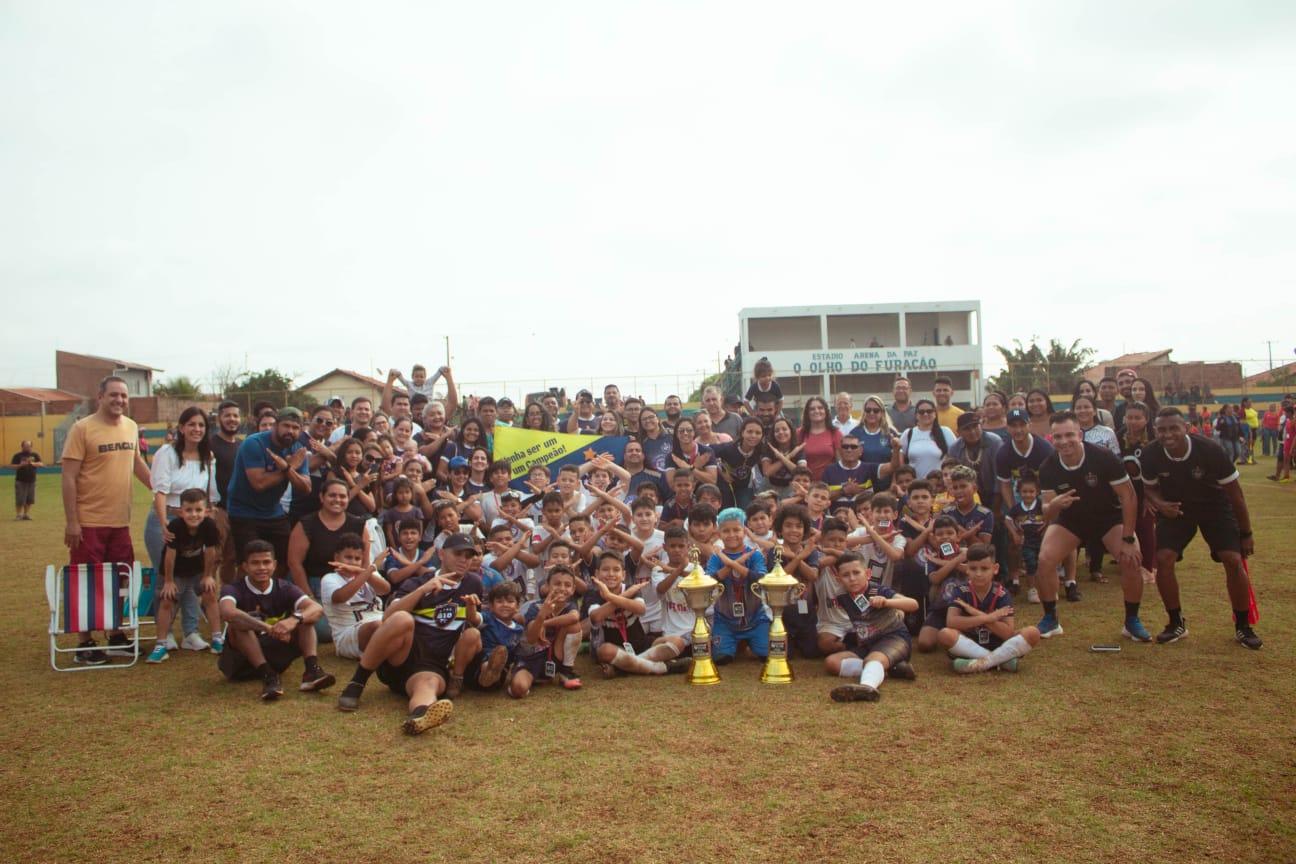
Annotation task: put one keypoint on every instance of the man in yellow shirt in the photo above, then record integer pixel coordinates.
(99, 458)
(947, 413)
(1250, 428)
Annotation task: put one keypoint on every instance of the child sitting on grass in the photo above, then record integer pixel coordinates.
(740, 615)
(547, 651)
(981, 634)
(940, 561)
(616, 635)
(877, 639)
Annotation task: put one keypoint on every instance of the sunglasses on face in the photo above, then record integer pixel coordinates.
(850, 446)
(926, 411)
(872, 410)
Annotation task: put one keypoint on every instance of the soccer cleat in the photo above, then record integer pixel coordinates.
(120, 646)
(903, 671)
(678, 665)
(1247, 638)
(569, 680)
(493, 668)
(350, 698)
(273, 688)
(194, 642)
(1032, 596)
(90, 658)
(316, 679)
(217, 643)
(426, 717)
(965, 666)
(855, 693)
(159, 654)
(1135, 630)
(1008, 665)
(454, 687)
(1173, 632)
(1049, 627)
(1072, 592)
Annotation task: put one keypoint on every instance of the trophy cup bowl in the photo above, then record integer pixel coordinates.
(777, 589)
(700, 591)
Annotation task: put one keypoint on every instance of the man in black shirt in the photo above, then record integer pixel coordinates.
(1088, 498)
(25, 463)
(1193, 485)
(224, 441)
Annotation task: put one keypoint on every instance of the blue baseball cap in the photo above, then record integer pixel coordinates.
(1018, 415)
(458, 462)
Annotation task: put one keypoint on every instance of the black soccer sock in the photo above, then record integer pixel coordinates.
(1050, 607)
(263, 670)
(1176, 616)
(312, 663)
(1131, 609)
(361, 675)
(1241, 618)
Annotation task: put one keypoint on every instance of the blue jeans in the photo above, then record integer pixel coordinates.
(155, 545)
(1269, 440)
(725, 637)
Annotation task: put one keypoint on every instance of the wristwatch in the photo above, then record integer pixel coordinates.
(298, 616)
(1129, 539)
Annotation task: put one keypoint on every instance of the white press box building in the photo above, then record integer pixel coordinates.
(823, 350)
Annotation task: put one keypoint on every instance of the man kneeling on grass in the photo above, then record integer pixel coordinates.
(423, 624)
(980, 633)
(271, 624)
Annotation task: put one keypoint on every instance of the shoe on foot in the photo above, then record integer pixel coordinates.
(1173, 632)
(170, 642)
(273, 688)
(217, 643)
(1135, 630)
(1247, 638)
(194, 642)
(1014, 587)
(455, 687)
(1032, 596)
(120, 646)
(426, 717)
(493, 668)
(93, 657)
(854, 693)
(1008, 665)
(316, 679)
(159, 654)
(569, 679)
(1072, 592)
(678, 665)
(1049, 627)
(350, 698)
(902, 671)
(966, 666)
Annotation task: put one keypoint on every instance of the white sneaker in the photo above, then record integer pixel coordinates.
(1032, 596)
(170, 642)
(194, 642)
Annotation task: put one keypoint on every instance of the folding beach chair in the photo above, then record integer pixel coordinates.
(86, 598)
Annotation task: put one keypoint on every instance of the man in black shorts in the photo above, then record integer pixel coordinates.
(1088, 498)
(1193, 485)
(424, 620)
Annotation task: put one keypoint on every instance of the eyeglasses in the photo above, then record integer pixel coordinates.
(325, 421)
(926, 410)
(872, 410)
(850, 446)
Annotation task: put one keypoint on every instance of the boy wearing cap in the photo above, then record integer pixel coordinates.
(740, 616)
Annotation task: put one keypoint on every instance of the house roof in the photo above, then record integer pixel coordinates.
(41, 394)
(1139, 358)
(349, 373)
(122, 364)
(1270, 375)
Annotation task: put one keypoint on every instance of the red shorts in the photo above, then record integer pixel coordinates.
(104, 546)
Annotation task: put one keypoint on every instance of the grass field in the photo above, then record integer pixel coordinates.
(1177, 753)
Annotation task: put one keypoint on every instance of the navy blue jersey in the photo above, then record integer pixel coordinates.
(1031, 522)
(1009, 463)
(866, 622)
(979, 516)
(441, 615)
(996, 598)
(498, 631)
(738, 604)
(865, 474)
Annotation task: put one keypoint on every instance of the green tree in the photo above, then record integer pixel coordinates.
(1055, 368)
(179, 386)
(270, 385)
(717, 379)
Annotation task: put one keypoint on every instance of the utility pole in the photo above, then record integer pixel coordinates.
(1269, 342)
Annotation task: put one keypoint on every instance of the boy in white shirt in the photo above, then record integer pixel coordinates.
(351, 597)
(879, 539)
(644, 529)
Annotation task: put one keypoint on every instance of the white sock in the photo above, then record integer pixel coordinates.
(1017, 646)
(872, 675)
(571, 647)
(965, 647)
(639, 666)
(661, 651)
(851, 667)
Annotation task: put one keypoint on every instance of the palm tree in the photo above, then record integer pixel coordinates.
(1026, 366)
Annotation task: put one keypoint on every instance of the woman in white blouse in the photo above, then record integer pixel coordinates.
(186, 464)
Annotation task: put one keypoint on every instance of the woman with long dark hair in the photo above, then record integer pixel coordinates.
(819, 437)
(1137, 435)
(686, 452)
(1039, 407)
(537, 418)
(926, 444)
(780, 456)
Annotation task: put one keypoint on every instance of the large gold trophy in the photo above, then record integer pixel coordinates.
(700, 591)
(777, 588)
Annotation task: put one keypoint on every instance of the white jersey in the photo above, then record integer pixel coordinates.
(676, 617)
(363, 605)
(652, 555)
(882, 568)
(831, 617)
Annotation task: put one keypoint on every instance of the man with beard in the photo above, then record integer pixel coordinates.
(674, 411)
(265, 465)
(224, 441)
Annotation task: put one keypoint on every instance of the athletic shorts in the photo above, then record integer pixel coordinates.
(280, 655)
(1089, 530)
(273, 531)
(639, 640)
(419, 660)
(1217, 524)
(24, 493)
(936, 617)
(346, 643)
(103, 546)
(534, 663)
(802, 633)
(1030, 558)
(895, 646)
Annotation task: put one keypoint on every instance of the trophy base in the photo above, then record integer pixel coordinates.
(703, 673)
(776, 671)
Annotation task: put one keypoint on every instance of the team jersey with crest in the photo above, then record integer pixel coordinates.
(619, 628)
(363, 605)
(498, 631)
(1009, 462)
(867, 623)
(1094, 480)
(441, 615)
(1196, 478)
(1031, 522)
(881, 568)
(979, 515)
(831, 617)
(272, 605)
(738, 604)
(996, 598)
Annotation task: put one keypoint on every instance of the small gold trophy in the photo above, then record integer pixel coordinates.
(700, 591)
(777, 588)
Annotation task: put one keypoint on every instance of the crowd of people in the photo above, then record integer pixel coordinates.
(392, 531)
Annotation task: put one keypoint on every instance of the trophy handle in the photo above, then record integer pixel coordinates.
(717, 592)
(758, 591)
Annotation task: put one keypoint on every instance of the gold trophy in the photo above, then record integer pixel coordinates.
(777, 588)
(700, 591)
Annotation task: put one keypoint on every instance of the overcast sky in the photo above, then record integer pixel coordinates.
(595, 189)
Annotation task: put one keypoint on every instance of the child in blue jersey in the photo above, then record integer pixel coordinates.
(740, 616)
(976, 522)
(940, 561)
(877, 638)
(1025, 524)
(981, 634)
(501, 633)
(546, 653)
